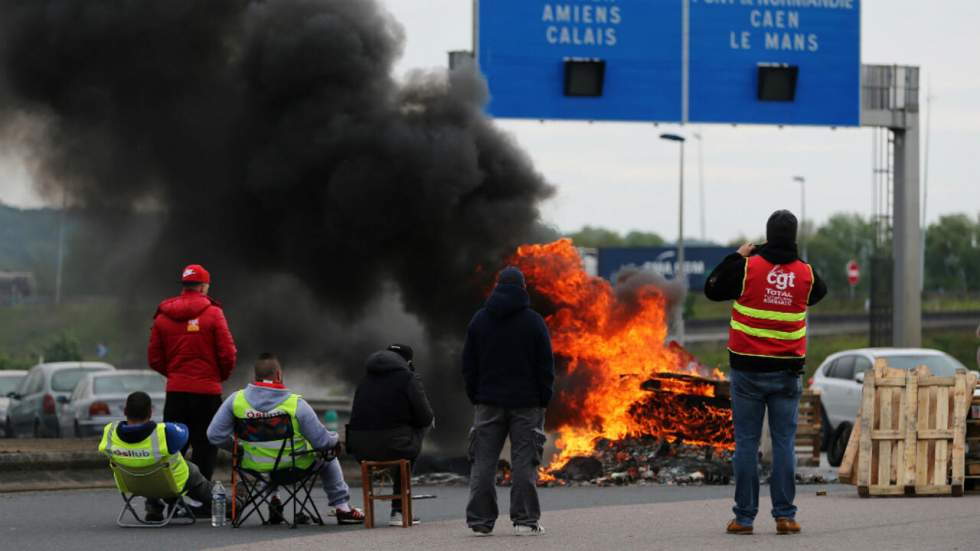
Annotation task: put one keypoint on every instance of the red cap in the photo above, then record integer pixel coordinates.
(195, 273)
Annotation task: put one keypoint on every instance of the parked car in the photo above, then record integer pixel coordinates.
(840, 379)
(100, 397)
(36, 405)
(9, 381)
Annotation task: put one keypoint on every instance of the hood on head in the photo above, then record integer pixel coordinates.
(385, 361)
(189, 305)
(781, 228)
(507, 299)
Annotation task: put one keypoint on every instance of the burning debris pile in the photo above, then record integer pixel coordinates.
(646, 459)
(628, 406)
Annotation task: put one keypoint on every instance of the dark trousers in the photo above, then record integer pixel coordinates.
(195, 411)
(491, 427)
(396, 478)
(197, 488)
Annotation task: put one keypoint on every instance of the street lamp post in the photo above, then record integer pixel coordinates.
(802, 182)
(681, 274)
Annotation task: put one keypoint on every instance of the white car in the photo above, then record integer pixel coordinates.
(100, 398)
(10, 379)
(840, 379)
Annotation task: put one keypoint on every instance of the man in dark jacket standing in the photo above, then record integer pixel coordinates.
(772, 289)
(509, 372)
(191, 346)
(390, 414)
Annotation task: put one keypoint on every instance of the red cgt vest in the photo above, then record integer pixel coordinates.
(769, 318)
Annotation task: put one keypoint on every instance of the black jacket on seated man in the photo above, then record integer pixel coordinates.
(390, 411)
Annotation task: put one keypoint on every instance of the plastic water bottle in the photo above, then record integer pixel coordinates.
(218, 503)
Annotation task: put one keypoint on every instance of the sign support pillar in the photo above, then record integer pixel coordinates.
(907, 236)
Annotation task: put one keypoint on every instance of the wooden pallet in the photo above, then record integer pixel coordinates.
(847, 472)
(808, 429)
(912, 432)
(972, 464)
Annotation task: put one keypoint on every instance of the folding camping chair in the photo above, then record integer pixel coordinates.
(153, 481)
(257, 485)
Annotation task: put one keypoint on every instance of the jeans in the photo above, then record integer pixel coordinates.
(752, 394)
(491, 427)
(334, 485)
(195, 411)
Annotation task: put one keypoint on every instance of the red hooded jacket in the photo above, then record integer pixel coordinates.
(190, 344)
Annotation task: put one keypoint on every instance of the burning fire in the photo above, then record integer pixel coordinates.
(611, 347)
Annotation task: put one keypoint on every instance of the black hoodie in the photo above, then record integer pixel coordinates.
(507, 359)
(725, 283)
(390, 395)
(390, 411)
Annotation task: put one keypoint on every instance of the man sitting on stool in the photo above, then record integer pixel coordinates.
(136, 434)
(267, 394)
(390, 414)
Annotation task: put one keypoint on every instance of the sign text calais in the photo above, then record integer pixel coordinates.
(523, 44)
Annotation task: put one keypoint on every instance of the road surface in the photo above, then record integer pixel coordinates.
(620, 518)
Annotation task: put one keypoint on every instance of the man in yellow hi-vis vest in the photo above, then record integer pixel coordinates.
(266, 396)
(772, 289)
(141, 442)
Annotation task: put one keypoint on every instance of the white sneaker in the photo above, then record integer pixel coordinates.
(396, 520)
(521, 530)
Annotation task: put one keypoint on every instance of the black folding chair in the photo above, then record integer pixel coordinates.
(258, 486)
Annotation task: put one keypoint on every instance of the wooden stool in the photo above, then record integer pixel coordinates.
(404, 495)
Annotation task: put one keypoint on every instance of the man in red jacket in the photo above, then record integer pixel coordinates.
(191, 346)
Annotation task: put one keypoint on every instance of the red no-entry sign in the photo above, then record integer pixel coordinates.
(853, 273)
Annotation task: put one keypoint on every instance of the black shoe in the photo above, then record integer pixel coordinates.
(275, 511)
(202, 512)
(301, 518)
(155, 515)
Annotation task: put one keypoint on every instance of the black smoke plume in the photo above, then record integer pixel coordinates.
(269, 141)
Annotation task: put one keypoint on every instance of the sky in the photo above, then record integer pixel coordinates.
(621, 176)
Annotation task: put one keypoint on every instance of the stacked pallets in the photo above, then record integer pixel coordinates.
(973, 448)
(911, 434)
(808, 429)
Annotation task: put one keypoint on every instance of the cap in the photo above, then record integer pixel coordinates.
(195, 273)
(402, 350)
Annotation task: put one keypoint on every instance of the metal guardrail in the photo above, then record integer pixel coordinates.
(825, 319)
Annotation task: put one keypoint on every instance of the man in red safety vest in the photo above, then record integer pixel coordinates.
(771, 288)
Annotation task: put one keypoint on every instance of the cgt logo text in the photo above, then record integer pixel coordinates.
(781, 279)
(135, 454)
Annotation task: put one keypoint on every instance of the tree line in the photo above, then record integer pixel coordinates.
(951, 263)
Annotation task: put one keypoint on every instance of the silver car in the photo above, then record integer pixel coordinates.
(840, 379)
(37, 404)
(99, 399)
(9, 381)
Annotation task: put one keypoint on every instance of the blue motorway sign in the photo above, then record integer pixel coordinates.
(698, 261)
(731, 38)
(523, 45)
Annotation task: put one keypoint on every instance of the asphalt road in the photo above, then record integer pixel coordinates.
(85, 519)
(619, 518)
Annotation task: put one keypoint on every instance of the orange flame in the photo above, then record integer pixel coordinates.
(612, 347)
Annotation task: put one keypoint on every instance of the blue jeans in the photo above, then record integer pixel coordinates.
(752, 394)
